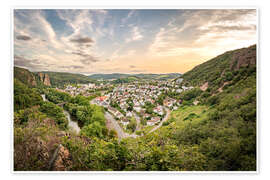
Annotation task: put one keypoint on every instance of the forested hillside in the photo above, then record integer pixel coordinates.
(59, 79)
(217, 133)
(25, 76)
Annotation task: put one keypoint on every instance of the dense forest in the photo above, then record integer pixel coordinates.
(216, 134)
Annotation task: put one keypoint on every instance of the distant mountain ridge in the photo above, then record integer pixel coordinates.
(141, 75)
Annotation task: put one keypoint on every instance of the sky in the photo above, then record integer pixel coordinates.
(127, 40)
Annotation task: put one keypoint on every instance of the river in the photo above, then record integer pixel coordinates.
(73, 125)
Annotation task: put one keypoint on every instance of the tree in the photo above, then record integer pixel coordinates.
(93, 130)
(132, 124)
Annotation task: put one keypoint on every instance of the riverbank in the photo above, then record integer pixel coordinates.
(73, 125)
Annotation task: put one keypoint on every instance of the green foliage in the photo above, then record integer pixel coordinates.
(55, 112)
(228, 76)
(59, 79)
(31, 139)
(191, 94)
(132, 124)
(80, 100)
(56, 96)
(25, 76)
(94, 129)
(149, 107)
(161, 99)
(89, 116)
(213, 100)
(25, 97)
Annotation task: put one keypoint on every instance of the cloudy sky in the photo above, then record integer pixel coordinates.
(127, 41)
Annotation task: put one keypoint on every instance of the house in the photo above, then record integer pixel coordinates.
(124, 121)
(158, 110)
(119, 115)
(137, 108)
(169, 102)
(179, 90)
(90, 85)
(153, 121)
(179, 80)
(129, 114)
(146, 116)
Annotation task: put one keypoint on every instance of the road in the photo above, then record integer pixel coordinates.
(168, 112)
(113, 124)
(138, 121)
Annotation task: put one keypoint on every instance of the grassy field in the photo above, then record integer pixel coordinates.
(189, 113)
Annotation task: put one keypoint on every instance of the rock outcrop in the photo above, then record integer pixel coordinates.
(61, 159)
(45, 79)
(204, 86)
(243, 57)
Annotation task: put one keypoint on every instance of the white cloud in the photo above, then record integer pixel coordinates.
(135, 35)
(206, 32)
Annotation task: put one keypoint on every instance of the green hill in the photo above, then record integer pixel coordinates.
(62, 78)
(222, 68)
(25, 76)
(141, 76)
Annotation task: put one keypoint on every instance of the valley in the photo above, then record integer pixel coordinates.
(202, 120)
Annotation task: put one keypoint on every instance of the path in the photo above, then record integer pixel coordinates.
(168, 112)
(138, 121)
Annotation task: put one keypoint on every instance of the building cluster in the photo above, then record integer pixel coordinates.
(126, 100)
(84, 89)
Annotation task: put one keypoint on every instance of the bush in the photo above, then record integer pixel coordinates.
(213, 100)
(190, 94)
(132, 124)
(214, 116)
(93, 130)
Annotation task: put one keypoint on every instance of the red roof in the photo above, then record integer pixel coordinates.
(102, 98)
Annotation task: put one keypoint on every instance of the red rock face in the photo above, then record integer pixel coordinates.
(62, 161)
(45, 79)
(243, 58)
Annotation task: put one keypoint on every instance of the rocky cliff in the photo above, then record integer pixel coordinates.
(25, 76)
(44, 78)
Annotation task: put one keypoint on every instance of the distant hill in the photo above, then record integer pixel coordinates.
(61, 78)
(25, 76)
(141, 76)
(47, 78)
(31, 79)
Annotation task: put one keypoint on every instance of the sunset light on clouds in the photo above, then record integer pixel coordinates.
(127, 41)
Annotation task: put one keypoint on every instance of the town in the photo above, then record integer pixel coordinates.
(134, 105)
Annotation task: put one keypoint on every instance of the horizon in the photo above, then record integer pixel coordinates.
(125, 41)
(96, 73)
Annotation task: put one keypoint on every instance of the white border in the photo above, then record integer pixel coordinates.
(138, 172)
